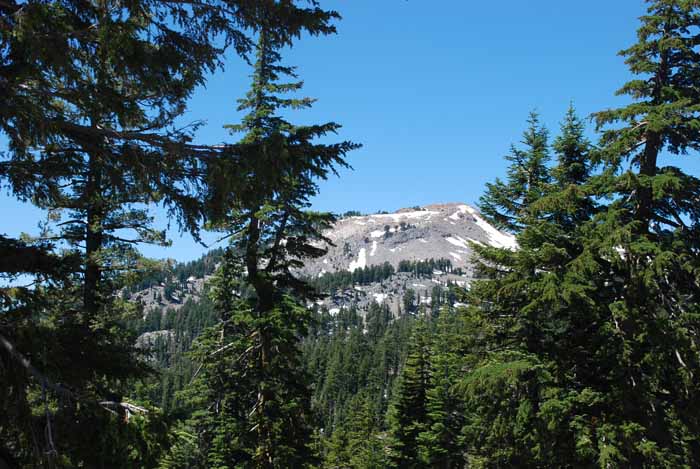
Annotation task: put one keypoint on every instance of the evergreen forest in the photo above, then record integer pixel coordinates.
(579, 348)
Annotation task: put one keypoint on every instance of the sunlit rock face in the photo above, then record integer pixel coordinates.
(434, 231)
(438, 231)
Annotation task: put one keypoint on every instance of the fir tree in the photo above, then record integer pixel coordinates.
(357, 443)
(89, 92)
(264, 210)
(505, 203)
(408, 414)
(440, 443)
(536, 306)
(644, 247)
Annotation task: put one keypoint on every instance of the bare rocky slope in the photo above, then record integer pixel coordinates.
(434, 231)
(438, 231)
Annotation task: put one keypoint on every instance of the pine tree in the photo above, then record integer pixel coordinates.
(602, 310)
(408, 414)
(644, 247)
(89, 92)
(505, 203)
(440, 443)
(88, 153)
(264, 212)
(536, 307)
(357, 443)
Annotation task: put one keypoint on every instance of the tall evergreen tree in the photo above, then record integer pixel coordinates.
(603, 311)
(505, 203)
(88, 94)
(85, 135)
(260, 193)
(645, 246)
(440, 443)
(408, 414)
(357, 443)
(536, 307)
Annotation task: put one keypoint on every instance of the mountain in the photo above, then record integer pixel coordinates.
(404, 239)
(425, 246)
(420, 233)
(386, 265)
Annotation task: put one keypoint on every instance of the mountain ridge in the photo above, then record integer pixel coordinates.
(433, 231)
(408, 239)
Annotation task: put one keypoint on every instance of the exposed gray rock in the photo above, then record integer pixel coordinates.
(438, 231)
(434, 231)
(148, 339)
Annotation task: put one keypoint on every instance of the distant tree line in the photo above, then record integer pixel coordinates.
(425, 268)
(332, 281)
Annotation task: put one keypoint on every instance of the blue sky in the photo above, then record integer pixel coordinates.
(436, 91)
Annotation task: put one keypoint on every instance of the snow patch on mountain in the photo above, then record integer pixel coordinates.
(396, 217)
(380, 297)
(361, 261)
(432, 232)
(497, 238)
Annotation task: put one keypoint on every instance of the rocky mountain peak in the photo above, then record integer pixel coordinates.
(431, 232)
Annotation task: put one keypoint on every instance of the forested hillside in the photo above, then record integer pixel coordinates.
(554, 324)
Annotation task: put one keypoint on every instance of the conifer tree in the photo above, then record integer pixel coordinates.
(505, 203)
(86, 136)
(408, 414)
(356, 444)
(606, 371)
(536, 308)
(260, 192)
(88, 95)
(440, 443)
(644, 247)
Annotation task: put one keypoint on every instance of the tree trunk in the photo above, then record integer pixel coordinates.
(93, 236)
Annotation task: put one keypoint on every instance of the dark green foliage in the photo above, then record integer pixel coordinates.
(408, 416)
(251, 362)
(426, 267)
(593, 357)
(536, 308)
(332, 281)
(224, 395)
(505, 203)
(88, 97)
(351, 213)
(409, 301)
(357, 442)
(645, 245)
(345, 361)
(577, 349)
(452, 347)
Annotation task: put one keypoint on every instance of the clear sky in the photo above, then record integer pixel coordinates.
(436, 91)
